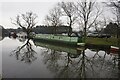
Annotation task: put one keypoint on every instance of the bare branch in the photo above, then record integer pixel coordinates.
(26, 21)
(69, 10)
(88, 13)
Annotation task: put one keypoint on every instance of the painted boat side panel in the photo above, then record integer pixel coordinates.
(59, 38)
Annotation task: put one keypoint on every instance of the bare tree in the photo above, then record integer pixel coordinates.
(88, 13)
(100, 24)
(116, 11)
(69, 10)
(53, 18)
(26, 21)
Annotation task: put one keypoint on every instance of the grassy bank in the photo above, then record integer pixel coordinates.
(102, 41)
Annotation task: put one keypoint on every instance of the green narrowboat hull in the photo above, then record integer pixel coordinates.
(56, 39)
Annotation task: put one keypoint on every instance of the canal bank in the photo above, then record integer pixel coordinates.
(75, 41)
(102, 41)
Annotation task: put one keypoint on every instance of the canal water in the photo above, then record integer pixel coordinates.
(0, 56)
(30, 59)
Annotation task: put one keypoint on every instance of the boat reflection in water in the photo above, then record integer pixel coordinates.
(83, 62)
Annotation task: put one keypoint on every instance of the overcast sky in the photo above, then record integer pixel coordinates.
(13, 7)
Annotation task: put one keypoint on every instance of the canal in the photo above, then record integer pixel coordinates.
(29, 59)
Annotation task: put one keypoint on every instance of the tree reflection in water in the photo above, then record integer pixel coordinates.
(99, 65)
(118, 43)
(51, 58)
(25, 53)
(119, 64)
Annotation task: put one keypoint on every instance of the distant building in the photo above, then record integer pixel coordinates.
(13, 34)
(22, 35)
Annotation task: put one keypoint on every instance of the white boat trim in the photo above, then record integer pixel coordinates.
(81, 44)
(114, 47)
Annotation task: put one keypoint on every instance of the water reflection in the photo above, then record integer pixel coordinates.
(0, 53)
(1, 38)
(25, 53)
(60, 61)
(96, 62)
(22, 39)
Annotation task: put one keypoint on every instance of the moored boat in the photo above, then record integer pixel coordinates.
(72, 40)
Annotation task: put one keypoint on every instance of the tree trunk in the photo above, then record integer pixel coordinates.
(70, 31)
(55, 30)
(28, 35)
(117, 31)
(85, 31)
(70, 28)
